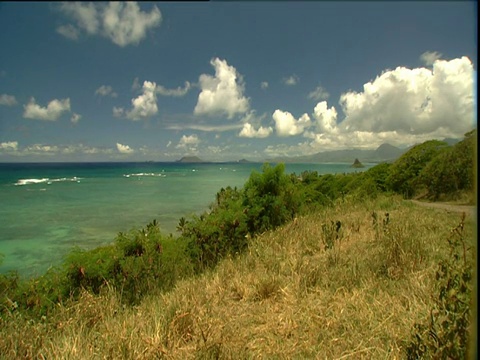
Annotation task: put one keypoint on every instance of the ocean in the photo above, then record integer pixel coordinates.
(46, 209)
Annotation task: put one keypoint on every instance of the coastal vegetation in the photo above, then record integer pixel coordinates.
(295, 265)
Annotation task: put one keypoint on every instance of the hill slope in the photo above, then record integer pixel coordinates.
(288, 296)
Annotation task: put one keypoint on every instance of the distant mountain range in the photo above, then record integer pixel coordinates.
(384, 152)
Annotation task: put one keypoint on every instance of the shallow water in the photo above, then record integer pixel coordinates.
(47, 208)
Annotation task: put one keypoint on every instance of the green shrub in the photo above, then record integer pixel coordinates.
(404, 174)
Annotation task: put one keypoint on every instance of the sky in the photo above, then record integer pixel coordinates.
(155, 81)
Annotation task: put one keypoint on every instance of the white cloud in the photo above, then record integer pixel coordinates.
(52, 112)
(401, 107)
(291, 80)
(415, 101)
(326, 119)
(178, 92)
(41, 149)
(106, 90)
(144, 106)
(118, 111)
(8, 100)
(204, 127)
(319, 94)
(69, 31)
(75, 118)
(222, 93)
(249, 131)
(9, 146)
(122, 22)
(429, 57)
(124, 149)
(264, 85)
(287, 125)
(188, 142)
(169, 143)
(85, 14)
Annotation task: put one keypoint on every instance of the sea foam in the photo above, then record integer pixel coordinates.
(144, 174)
(48, 181)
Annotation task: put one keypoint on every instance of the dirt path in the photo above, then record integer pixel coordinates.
(469, 210)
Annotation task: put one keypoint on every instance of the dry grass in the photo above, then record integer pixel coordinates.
(286, 298)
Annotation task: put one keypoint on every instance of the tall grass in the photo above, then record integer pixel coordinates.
(287, 296)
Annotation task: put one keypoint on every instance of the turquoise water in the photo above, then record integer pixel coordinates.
(47, 208)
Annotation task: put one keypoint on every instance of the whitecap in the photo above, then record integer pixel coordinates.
(45, 180)
(31, 181)
(144, 174)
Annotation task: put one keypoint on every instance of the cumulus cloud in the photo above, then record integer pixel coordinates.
(249, 131)
(319, 94)
(204, 127)
(429, 57)
(118, 111)
(41, 149)
(291, 80)
(326, 119)
(9, 146)
(75, 118)
(52, 112)
(264, 85)
(401, 107)
(144, 106)
(221, 94)
(188, 142)
(124, 23)
(178, 92)
(124, 149)
(69, 31)
(287, 125)
(8, 100)
(415, 101)
(106, 90)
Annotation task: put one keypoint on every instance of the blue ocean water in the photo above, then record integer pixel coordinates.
(48, 208)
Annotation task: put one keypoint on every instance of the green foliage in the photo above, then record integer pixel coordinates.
(138, 263)
(379, 174)
(404, 173)
(452, 169)
(133, 265)
(222, 231)
(446, 333)
(270, 199)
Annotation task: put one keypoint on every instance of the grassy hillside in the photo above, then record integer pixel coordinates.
(346, 282)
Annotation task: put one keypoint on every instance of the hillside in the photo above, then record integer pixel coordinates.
(289, 296)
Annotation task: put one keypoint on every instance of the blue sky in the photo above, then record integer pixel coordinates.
(231, 80)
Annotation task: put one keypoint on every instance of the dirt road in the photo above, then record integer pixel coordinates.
(469, 210)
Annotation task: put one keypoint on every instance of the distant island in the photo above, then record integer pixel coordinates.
(357, 164)
(244, 161)
(190, 159)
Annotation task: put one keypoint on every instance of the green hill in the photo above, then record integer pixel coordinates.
(290, 295)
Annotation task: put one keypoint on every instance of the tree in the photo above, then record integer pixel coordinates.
(404, 173)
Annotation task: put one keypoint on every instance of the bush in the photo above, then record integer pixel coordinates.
(404, 173)
(451, 170)
(270, 199)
